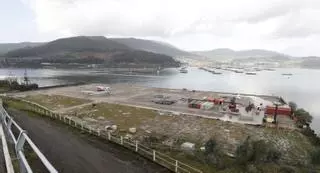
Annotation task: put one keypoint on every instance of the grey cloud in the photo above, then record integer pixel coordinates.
(279, 9)
(305, 23)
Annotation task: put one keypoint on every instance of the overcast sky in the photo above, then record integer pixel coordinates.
(288, 26)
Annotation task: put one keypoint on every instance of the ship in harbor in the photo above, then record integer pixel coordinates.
(251, 73)
(183, 70)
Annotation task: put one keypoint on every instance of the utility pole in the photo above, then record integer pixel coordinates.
(26, 79)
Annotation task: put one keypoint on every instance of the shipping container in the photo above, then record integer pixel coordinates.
(218, 101)
(210, 99)
(207, 105)
(282, 110)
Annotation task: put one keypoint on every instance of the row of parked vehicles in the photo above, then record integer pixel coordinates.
(162, 99)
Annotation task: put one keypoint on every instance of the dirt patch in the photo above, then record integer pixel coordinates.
(174, 128)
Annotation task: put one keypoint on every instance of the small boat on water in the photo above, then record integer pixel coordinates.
(238, 71)
(257, 69)
(183, 70)
(287, 74)
(214, 72)
(269, 69)
(251, 73)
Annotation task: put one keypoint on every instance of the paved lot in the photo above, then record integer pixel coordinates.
(141, 96)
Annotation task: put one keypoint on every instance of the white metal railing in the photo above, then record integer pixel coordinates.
(19, 142)
(5, 150)
(160, 158)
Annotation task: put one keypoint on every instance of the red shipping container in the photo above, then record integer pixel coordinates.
(270, 110)
(210, 99)
(198, 105)
(218, 101)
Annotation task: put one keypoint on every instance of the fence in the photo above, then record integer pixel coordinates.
(19, 142)
(160, 158)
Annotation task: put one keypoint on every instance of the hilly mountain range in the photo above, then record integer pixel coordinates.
(6, 47)
(223, 54)
(99, 49)
(68, 45)
(90, 50)
(152, 46)
(133, 43)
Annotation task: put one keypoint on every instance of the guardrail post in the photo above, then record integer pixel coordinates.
(64, 119)
(121, 140)
(19, 147)
(69, 121)
(136, 146)
(20, 141)
(90, 130)
(98, 132)
(82, 126)
(3, 115)
(154, 155)
(9, 123)
(176, 168)
(109, 136)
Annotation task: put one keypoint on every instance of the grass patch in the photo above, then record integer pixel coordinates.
(124, 116)
(196, 160)
(4, 89)
(17, 105)
(56, 101)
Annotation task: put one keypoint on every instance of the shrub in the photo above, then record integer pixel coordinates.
(314, 139)
(303, 117)
(210, 146)
(257, 152)
(287, 169)
(315, 157)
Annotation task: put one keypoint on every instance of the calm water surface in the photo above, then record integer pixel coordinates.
(303, 86)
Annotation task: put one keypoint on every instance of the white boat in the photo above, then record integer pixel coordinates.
(238, 71)
(251, 73)
(215, 72)
(269, 69)
(287, 74)
(183, 70)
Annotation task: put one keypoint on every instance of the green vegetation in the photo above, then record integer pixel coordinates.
(303, 117)
(124, 116)
(88, 50)
(9, 85)
(56, 101)
(266, 150)
(316, 157)
(256, 152)
(151, 46)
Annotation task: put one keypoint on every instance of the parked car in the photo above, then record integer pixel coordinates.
(161, 99)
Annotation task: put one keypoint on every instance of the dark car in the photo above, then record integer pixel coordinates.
(161, 99)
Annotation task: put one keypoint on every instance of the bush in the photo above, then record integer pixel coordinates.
(210, 146)
(315, 157)
(287, 169)
(303, 117)
(314, 139)
(256, 152)
(214, 156)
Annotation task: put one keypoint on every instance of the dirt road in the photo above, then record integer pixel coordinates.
(70, 151)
